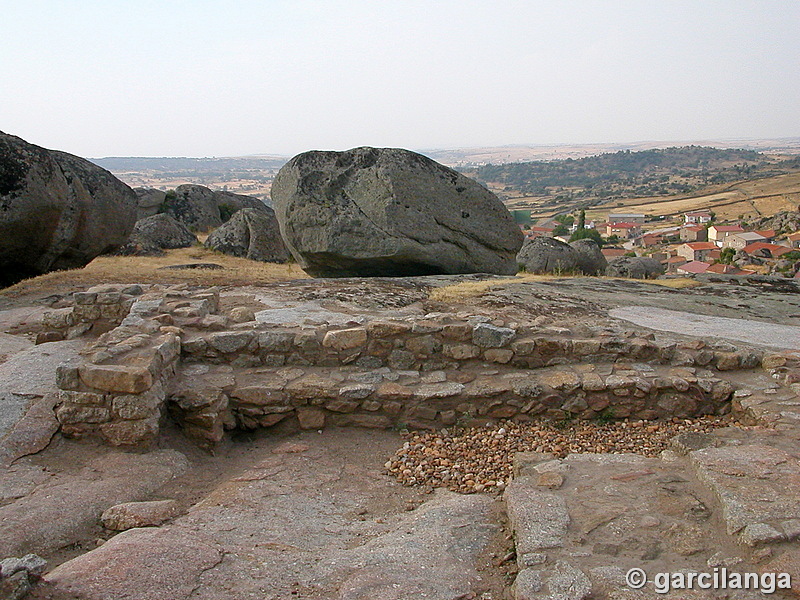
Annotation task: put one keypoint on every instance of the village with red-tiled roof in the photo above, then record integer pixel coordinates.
(693, 243)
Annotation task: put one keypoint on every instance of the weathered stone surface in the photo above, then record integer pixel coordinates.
(252, 234)
(59, 211)
(170, 561)
(60, 511)
(138, 514)
(374, 212)
(773, 477)
(539, 519)
(547, 255)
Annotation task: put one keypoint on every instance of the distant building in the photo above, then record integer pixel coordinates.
(695, 251)
(765, 250)
(624, 230)
(648, 240)
(693, 267)
(698, 216)
(794, 239)
(737, 241)
(626, 218)
(768, 234)
(611, 253)
(537, 231)
(674, 262)
(694, 233)
(718, 233)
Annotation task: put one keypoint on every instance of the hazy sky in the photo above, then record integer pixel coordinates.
(212, 78)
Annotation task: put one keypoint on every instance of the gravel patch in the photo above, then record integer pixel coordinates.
(481, 459)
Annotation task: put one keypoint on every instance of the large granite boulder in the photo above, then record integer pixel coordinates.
(547, 255)
(635, 267)
(154, 234)
(57, 211)
(390, 212)
(203, 209)
(590, 260)
(149, 201)
(252, 234)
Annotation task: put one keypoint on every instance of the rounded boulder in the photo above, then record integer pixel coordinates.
(635, 267)
(59, 211)
(590, 260)
(547, 255)
(390, 212)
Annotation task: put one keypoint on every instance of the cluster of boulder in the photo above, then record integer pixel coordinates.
(360, 213)
(550, 255)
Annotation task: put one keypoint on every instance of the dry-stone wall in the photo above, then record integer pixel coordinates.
(173, 353)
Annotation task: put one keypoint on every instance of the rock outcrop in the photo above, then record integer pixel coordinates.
(202, 209)
(153, 234)
(547, 255)
(252, 234)
(635, 267)
(390, 212)
(59, 211)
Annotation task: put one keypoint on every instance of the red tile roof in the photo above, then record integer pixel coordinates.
(728, 227)
(773, 249)
(694, 266)
(701, 245)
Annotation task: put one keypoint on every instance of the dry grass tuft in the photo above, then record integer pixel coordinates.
(146, 269)
(472, 289)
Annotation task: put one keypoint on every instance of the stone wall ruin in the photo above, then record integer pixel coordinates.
(173, 355)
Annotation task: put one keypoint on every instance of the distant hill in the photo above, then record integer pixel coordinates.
(190, 167)
(626, 174)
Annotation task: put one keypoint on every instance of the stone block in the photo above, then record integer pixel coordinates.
(383, 329)
(402, 359)
(311, 418)
(423, 345)
(394, 391)
(461, 351)
(486, 335)
(371, 421)
(524, 347)
(259, 395)
(726, 361)
(345, 339)
(342, 405)
(278, 341)
(138, 406)
(230, 341)
(356, 391)
(78, 413)
(460, 332)
(561, 380)
(116, 378)
(84, 398)
(67, 377)
(130, 433)
(138, 514)
(498, 355)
